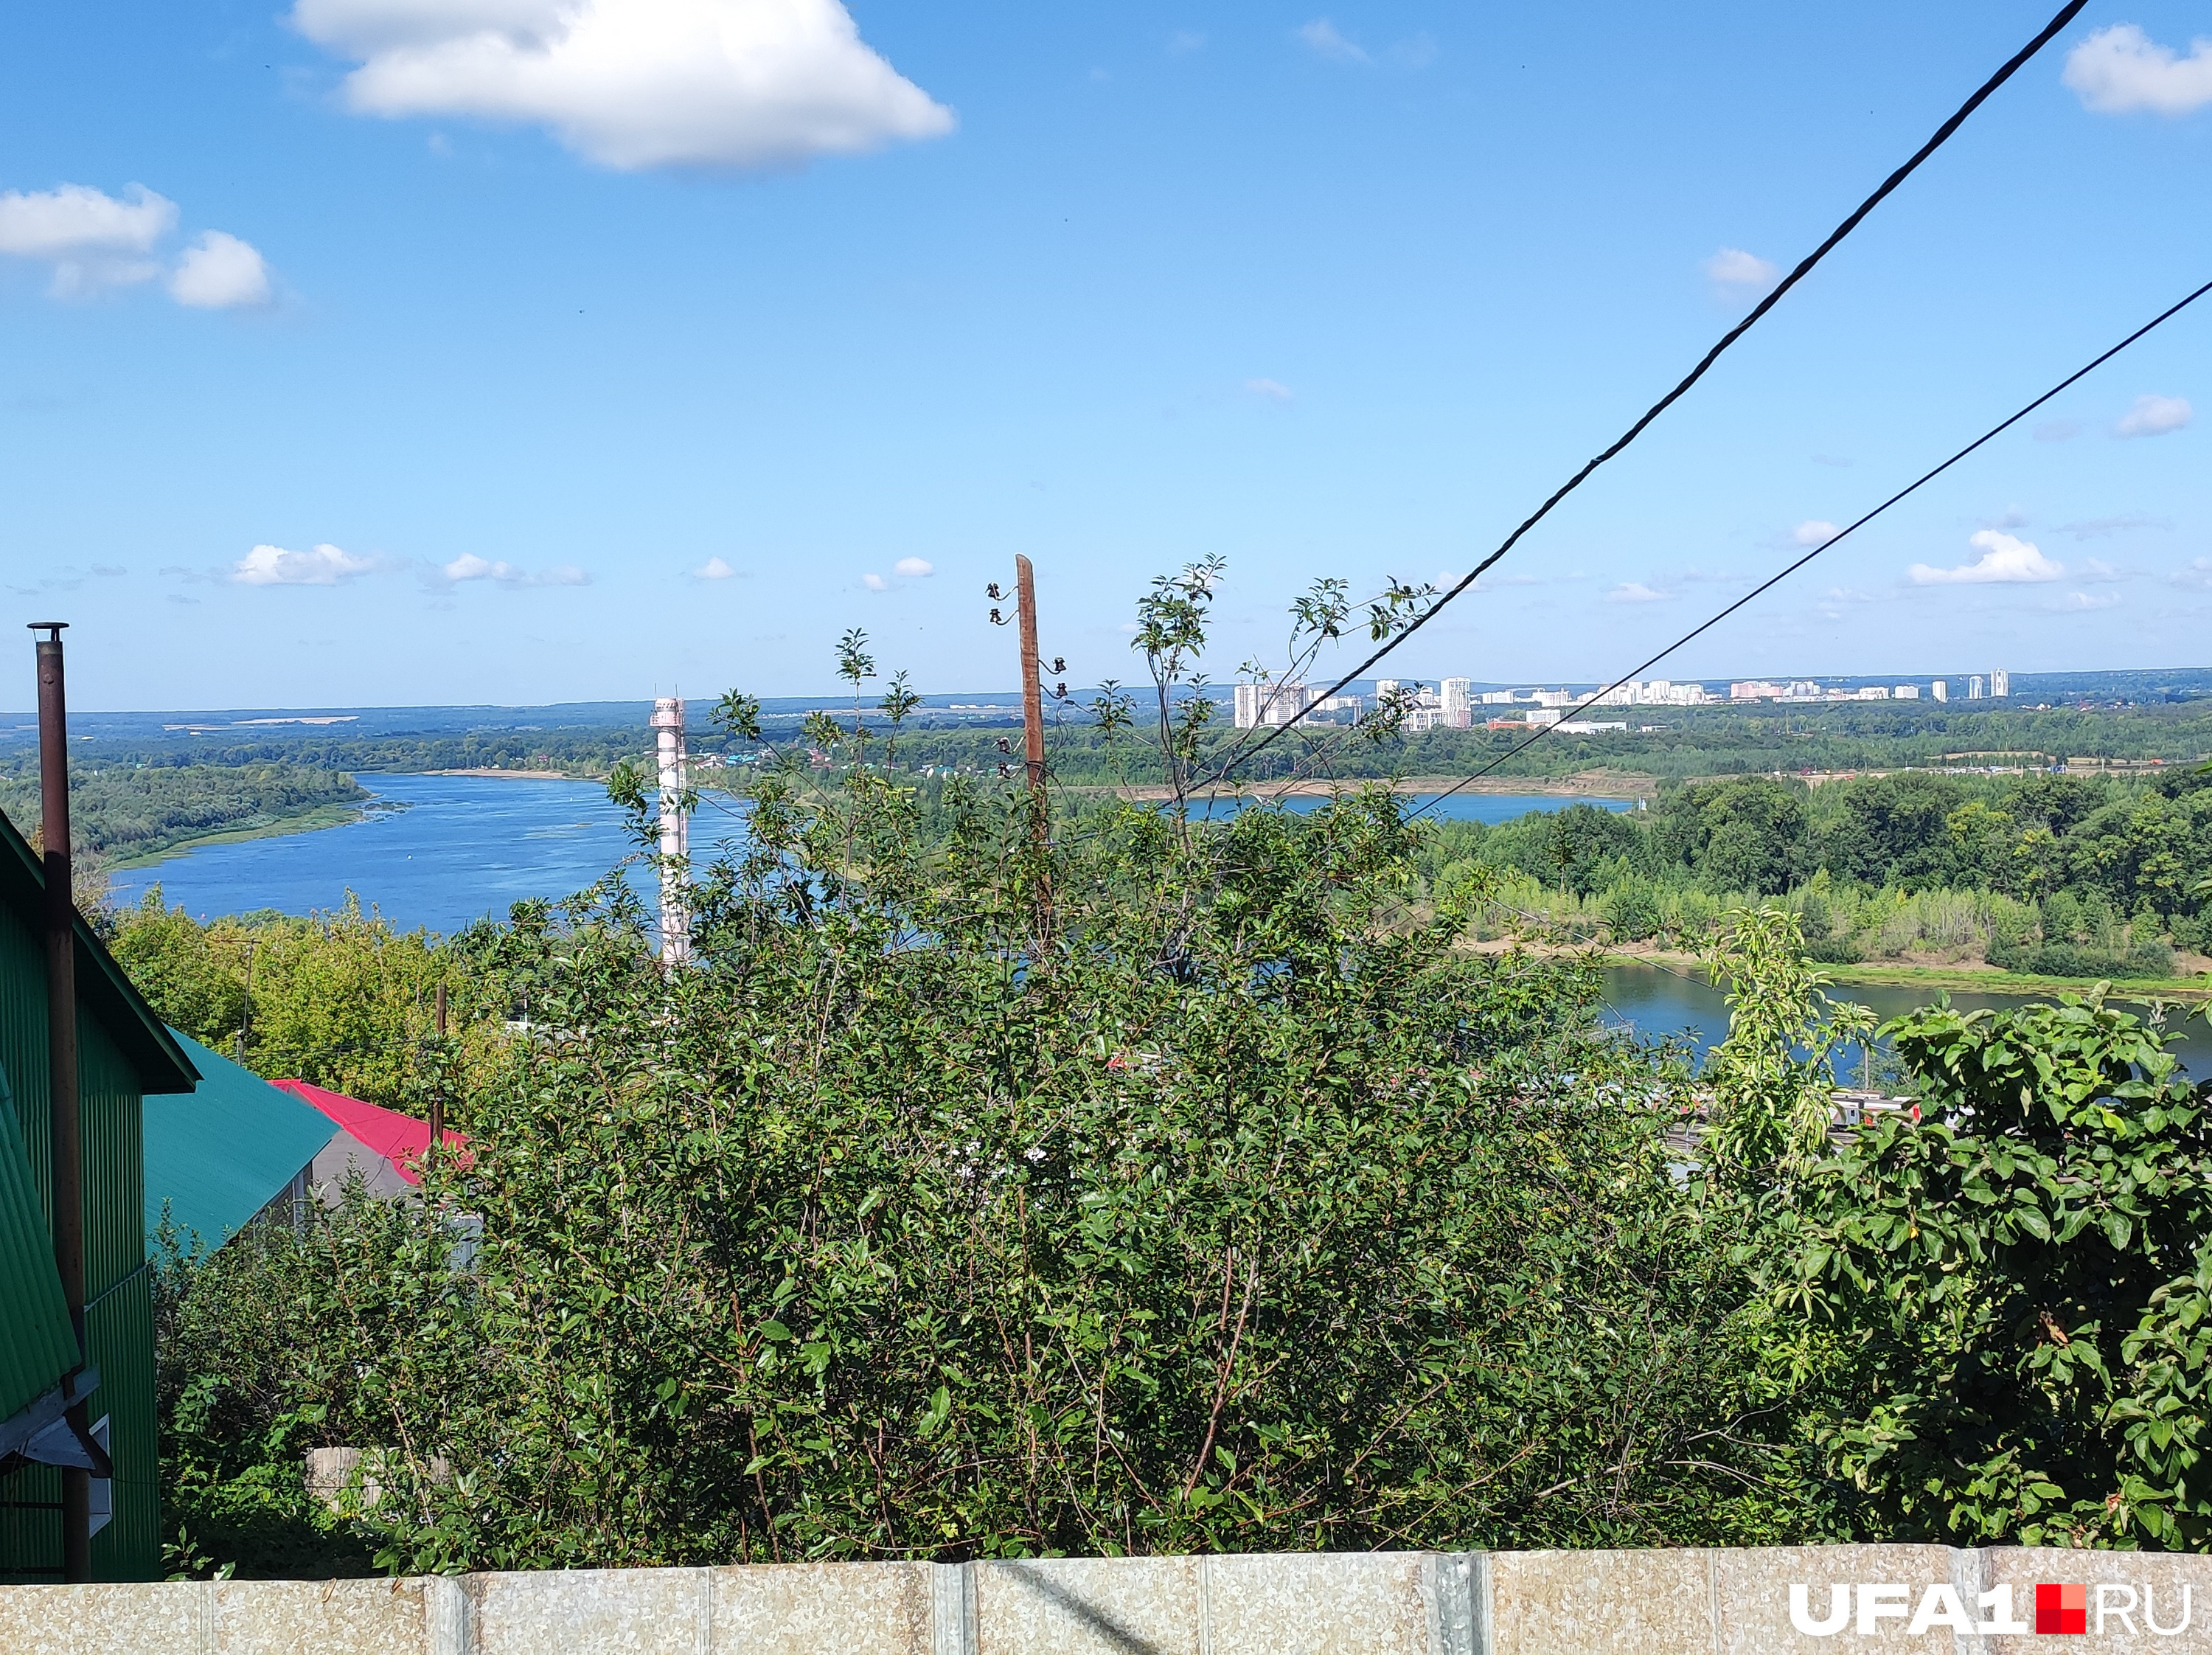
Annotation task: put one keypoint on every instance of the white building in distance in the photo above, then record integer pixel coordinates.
(1259, 704)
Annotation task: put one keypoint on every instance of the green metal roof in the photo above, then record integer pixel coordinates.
(39, 1349)
(101, 984)
(218, 1154)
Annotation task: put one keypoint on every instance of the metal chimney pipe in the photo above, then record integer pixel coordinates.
(675, 830)
(65, 1133)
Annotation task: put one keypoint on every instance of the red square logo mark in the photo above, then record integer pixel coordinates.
(2061, 1609)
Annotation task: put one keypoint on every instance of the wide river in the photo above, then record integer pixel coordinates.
(460, 848)
(447, 850)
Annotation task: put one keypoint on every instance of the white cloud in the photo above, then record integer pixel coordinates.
(94, 241)
(1635, 592)
(470, 566)
(1812, 531)
(1184, 40)
(1272, 390)
(2004, 558)
(2197, 573)
(2153, 416)
(2075, 601)
(219, 272)
(97, 240)
(915, 568)
(1744, 272)
(875, 584)
(634, 83)
(1323, 40)
(321, 565)
(714, 568)
(2120, 70)
(76, 219)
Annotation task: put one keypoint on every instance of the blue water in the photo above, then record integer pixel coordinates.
(460, 848)
(1653, 1002)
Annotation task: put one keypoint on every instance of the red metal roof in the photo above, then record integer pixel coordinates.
(400, 1139)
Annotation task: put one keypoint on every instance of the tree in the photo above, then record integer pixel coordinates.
(2019, 1282)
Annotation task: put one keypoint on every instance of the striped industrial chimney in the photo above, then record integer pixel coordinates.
(675, 830)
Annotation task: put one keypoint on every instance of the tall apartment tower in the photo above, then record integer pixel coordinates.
(2001, 683)
(1974, 687)
(1248, 705)
(1941, 690)
(675, 830)
(1458, 702)
(1386, 688)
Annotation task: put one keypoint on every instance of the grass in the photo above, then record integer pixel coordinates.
(305, 821)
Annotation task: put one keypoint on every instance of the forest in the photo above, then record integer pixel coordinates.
(2057, 875)
(121, 810)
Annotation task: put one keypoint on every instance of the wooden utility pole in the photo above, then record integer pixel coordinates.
(65, 1129)
(1032, 685)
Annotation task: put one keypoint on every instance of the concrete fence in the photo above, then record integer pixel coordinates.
(1653, 1603)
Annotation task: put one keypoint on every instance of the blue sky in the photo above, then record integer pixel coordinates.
(428, 351)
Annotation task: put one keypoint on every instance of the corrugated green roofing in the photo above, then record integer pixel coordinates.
(40, 1350)
(101, 984)
(219, 1154)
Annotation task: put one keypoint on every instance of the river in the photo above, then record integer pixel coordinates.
(440, 851)
(1654, 1000)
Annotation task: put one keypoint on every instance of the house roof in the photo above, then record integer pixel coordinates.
(400, 1139)
(101, 984)
(218, 1154)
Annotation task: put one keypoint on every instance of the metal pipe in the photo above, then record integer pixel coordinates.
(438, 1083)
(65, 1137)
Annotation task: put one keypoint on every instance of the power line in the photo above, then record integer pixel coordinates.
(1942, 133)
(1789, 569)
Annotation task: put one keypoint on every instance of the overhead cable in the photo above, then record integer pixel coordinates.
(1774, 580)
(1942, 133)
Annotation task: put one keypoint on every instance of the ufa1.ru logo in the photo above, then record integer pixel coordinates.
(1866, 1607)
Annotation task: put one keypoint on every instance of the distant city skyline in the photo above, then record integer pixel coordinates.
(342, 370)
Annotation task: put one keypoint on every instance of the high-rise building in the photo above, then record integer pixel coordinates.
(1907, 692)
(1272, 703)
(1386, 688)
(1974, 687)
(1458, 702)
(1939, 689)
(2001, 683)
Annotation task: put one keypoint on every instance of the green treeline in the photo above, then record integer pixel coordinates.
(2055, 874)
(119, 811)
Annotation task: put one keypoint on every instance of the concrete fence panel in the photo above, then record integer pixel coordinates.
(1782, 1601)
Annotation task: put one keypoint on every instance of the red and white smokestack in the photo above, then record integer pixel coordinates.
(675, 831)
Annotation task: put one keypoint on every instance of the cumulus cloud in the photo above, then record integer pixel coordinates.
(2196, 574)
(2153, 416)
(1635, 592)
(95, 240)
(634, 83)
(1322, 38)
(75, 219)
(2080, 600)
(320, 565)
(2004, 558)
(1272, 390)
(915, 568)
(219, 272)
(1813, 531)
(875, 584)
(714, 568)
(1732, 270)
(470, 566)
(2120, 70)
